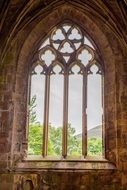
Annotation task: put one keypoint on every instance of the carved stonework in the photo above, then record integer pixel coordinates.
(25, 182)
(23, 26)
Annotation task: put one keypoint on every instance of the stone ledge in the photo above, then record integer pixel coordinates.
(65, 165)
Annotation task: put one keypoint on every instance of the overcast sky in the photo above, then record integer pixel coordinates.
(75, 100)
(94, 107)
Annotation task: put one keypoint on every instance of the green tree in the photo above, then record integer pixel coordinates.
(35, 130)
(35, 138)
(32, 112)
(95, 146)
(55, 140)
(74, 143)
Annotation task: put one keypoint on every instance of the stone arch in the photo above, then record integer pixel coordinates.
(105, 49)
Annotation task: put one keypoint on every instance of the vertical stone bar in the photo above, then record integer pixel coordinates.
(84, 116)
(103, 119)
(46, 115)
(65, 116)
(28, 104)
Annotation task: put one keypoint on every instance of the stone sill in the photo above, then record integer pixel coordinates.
(38, 163)
(68, 158)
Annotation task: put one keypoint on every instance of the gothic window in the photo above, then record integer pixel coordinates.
(66, 97)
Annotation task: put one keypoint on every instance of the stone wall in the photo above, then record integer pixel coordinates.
(14, 70)
(57, 180)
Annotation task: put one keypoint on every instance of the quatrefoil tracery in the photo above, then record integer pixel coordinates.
(67, 46)
(69, 35)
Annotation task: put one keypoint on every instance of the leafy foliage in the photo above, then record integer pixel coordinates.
(55, 142)
(32, 112)
(55, 138)
(94, 146)
(35, 139)
(74, 143)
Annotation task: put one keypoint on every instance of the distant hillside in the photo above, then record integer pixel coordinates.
(94, 132)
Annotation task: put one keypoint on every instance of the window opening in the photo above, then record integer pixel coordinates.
(36, 111)
(55, 113)
(66, 85)
(94, 115)
(75, 113)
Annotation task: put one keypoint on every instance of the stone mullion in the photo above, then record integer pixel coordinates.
(103, 119)
(65, 115)
(46, 116)
(28, 103)
(84, 116)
